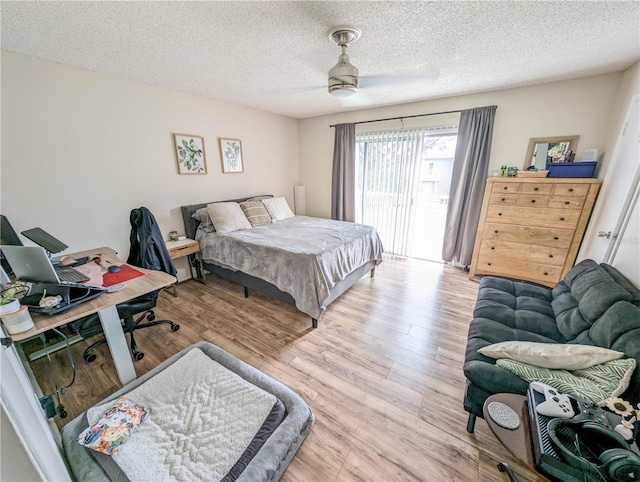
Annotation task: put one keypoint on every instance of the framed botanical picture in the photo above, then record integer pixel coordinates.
(231, 155)
(190, 154)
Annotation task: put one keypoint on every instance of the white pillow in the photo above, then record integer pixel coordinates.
(551, 355)
(227, 217)
(278, 208)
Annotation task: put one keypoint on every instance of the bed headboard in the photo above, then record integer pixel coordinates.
(191, 225)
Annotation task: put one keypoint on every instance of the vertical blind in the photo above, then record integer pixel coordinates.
(388, 165)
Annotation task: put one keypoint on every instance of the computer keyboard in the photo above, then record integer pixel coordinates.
(71, 275)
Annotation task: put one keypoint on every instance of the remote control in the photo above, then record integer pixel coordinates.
(556, 404)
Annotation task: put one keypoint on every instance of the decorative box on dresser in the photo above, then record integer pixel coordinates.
(531, 228)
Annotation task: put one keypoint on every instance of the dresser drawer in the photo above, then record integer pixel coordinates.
(533, 200)
(499, 198)
(506, 187)
(524, 252)
(554, 237)
(533, 216)
(529, 188)
(568, 189)
(522, 270)
(567, 202)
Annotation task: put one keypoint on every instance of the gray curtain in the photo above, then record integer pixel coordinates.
(470, 166)
(343, 180)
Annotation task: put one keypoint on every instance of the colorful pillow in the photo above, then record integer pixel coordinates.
(551, 355)
(227, 217)
(278, 208)
(594, 384)
(255, 212)
(115, 427)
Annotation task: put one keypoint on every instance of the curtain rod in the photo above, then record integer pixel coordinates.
(405, 117)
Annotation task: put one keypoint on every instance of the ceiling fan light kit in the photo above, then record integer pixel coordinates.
(343, 77)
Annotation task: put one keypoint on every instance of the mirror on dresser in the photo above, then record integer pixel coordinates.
(547, 149)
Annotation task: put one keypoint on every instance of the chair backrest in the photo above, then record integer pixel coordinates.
(148, 249)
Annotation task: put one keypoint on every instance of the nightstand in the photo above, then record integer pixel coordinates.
(185, 247)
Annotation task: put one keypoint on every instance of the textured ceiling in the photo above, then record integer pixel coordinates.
(274, 55)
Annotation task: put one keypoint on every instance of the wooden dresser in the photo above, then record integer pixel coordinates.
(531, 228)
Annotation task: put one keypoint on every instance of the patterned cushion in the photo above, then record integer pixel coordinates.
(115, 427)
(202, 215)
(594, 384)
(227, 217)
(255, 212)
(278, 208)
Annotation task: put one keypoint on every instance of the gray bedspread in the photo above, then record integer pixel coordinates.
(302, 256)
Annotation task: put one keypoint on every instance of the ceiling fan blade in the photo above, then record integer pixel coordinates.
(387, 80)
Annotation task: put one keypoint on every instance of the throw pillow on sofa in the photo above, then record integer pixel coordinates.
(551, 355)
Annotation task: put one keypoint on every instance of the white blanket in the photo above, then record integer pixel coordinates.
(202, 418)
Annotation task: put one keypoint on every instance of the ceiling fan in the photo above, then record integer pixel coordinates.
(343, 77)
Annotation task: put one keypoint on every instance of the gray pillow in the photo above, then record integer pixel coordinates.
(255, 212)
(227, 217)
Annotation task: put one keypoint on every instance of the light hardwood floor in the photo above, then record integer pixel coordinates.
(382, 372)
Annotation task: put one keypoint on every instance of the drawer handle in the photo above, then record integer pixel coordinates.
(493, 247)
(533, 200)
(499, 214)
(488, 264)
(496, 231)
(546, 274)
(503, 199)
(556, 238)
(561, 219)
(551, 256)
(505, 188)
(567, 202)
(570, 189)
(536, 188)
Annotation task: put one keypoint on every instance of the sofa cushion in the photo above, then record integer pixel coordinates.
(517, 305)
(624, 282)
(583, 297)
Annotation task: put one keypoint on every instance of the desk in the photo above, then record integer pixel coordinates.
(105, 306)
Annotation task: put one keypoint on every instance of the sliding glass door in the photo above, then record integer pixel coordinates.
(403, 180)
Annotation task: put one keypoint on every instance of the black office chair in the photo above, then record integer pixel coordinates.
(148, 251)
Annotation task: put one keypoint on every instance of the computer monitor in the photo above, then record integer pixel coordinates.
(44, 239)
(8, 236)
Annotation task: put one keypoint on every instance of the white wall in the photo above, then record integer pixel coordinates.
(581, 106)
(81, 149)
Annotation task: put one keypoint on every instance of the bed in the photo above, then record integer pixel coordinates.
(205, 422)
(312, 261)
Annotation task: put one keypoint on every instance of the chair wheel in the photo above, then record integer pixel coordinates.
(138, 355)
(151, 316)
(63, 414)
(175, 327)
(91, 357)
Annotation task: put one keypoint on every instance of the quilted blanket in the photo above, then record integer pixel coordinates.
(202, 418)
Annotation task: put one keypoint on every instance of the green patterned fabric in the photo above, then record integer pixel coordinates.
(594, 384)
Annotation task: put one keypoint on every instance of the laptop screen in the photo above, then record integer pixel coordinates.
(30, 263)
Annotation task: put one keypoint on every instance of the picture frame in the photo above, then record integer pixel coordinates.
(190, 154)
(231, 155)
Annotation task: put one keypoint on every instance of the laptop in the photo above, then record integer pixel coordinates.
(31, 263)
